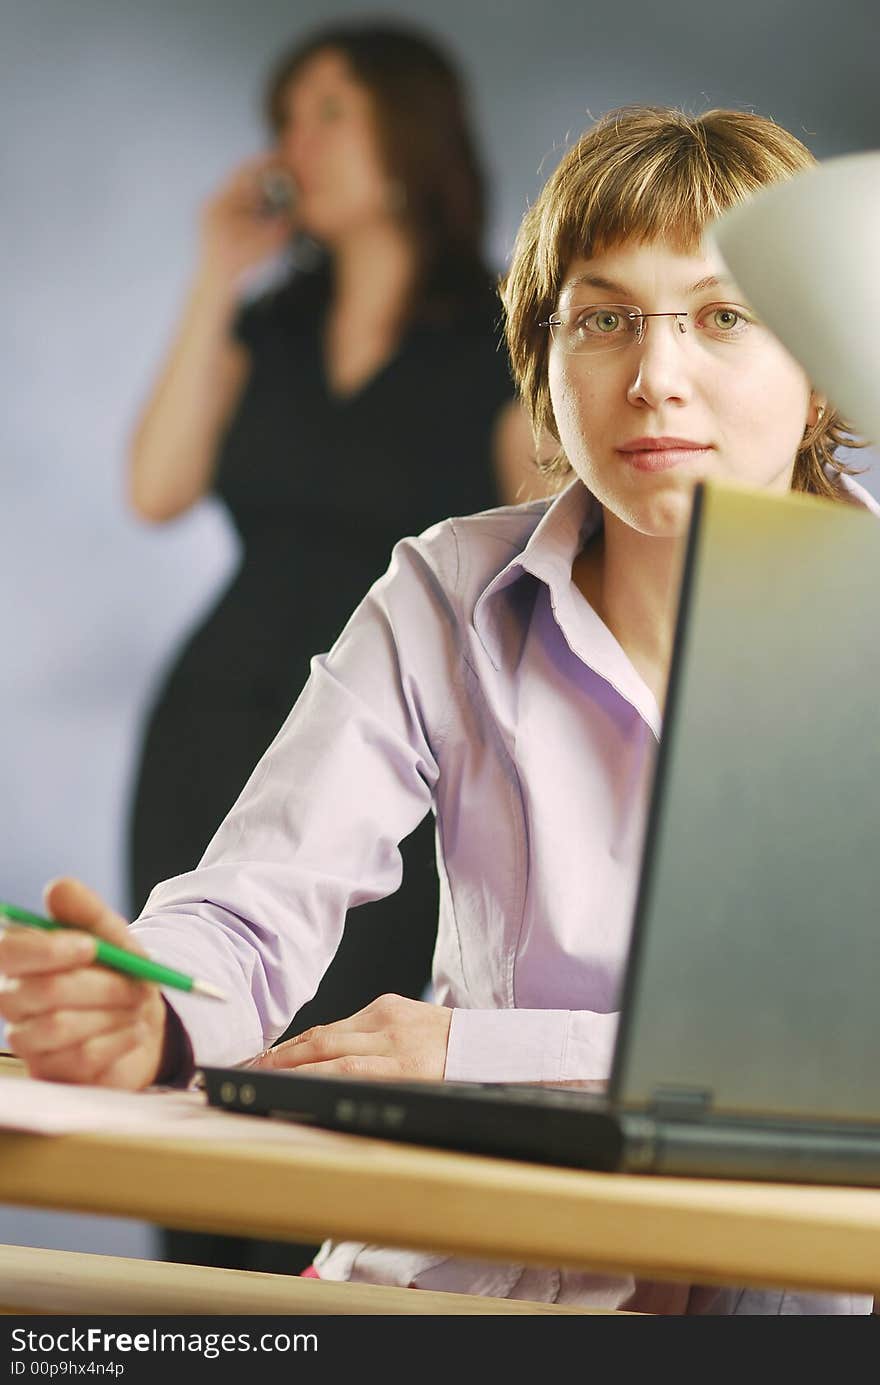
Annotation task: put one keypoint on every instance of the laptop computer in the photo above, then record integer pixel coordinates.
(748, 1037)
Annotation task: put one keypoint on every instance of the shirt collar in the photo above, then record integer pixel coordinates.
(569, 520)
(568, 523)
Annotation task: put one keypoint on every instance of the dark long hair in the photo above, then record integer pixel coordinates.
(425, 141)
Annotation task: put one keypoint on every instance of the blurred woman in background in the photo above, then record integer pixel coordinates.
(355, 403)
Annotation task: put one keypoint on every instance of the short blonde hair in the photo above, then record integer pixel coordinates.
(645, 173)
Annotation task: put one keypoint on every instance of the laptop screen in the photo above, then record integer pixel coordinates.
(752, 978)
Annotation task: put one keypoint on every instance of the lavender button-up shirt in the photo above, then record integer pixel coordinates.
(474, 680)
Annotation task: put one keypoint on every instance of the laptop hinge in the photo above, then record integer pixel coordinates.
(680, 1103)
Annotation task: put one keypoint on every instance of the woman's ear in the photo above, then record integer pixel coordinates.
(817, 410)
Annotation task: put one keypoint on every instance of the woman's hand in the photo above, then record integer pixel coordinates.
(392, 1037)
(237, 233)
(71, 1021)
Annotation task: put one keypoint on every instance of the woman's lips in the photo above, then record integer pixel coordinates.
(661, 457)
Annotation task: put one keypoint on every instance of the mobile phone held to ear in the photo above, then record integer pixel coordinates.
(278, 193)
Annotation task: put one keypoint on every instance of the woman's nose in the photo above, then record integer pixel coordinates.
(297, 144)
(661, 362)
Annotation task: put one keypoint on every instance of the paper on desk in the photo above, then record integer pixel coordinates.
(57, 1108)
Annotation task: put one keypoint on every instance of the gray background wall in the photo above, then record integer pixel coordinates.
(118, 119)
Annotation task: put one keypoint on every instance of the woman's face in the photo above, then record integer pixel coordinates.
(329, 143)
(642, 421)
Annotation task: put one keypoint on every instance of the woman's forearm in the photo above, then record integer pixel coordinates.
(173, 449)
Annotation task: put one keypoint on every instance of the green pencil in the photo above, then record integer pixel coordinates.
(116, 958)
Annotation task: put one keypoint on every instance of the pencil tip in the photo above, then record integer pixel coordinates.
(205, 988)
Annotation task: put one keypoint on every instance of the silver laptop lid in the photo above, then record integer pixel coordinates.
(753, 976)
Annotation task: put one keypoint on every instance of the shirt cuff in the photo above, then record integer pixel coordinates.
(177, 1066)
(529, 1045)
(505, 1045)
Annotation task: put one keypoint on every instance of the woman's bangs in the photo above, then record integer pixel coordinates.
(669, 199)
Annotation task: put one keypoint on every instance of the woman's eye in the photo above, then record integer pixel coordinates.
(330, 109)
(724, 319)
(602, 322)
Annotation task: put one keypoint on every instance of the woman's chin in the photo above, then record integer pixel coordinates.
(665, 515)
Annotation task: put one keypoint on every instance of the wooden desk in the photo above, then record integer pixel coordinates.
(63, 1281)
(348, 1186)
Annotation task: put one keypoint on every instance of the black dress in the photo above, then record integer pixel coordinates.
(319, 488)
